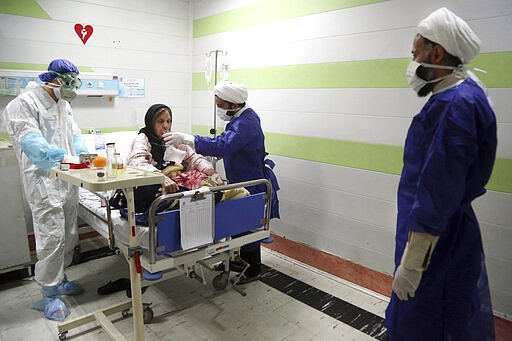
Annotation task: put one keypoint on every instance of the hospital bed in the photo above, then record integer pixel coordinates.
(158, 249)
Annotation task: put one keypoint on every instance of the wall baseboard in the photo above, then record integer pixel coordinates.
(349, 271)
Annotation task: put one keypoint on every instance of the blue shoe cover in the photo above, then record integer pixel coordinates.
(70, 288)
(54, 309)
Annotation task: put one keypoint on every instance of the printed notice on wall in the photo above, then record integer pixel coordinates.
(131, 87)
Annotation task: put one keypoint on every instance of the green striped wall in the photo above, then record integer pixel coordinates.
(373, 157)
(25, 8)
(269, 11)
(378, 73)
(35, 67)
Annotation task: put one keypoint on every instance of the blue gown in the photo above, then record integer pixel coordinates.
(448, 158)
(242, 147)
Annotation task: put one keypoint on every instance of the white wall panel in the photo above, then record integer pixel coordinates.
(265, 49)
(152, 42)
(107, 59)
(370, 102)
(351, 206)
(357, 181)
(108, 15)
(500, 277)
(496, 240)
(205, 8)
(341, 35)
(494, 208)
(102, 36)
(338, 247)
(177, 8)
(338, 126)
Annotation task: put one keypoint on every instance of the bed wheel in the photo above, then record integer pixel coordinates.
(148, 315)
(220, 282)
(125, 313)
(63, 335)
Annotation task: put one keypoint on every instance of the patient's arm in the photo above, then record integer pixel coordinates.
(140, 154)
(194, 160)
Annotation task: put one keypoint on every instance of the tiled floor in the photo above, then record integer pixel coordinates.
(187, 310)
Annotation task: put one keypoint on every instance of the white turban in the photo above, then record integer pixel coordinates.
(231, 92)
(452, 33)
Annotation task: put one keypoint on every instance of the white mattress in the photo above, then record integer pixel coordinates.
(120, 225)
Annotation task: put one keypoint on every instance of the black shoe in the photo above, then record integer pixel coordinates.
(245, 280)
(117, 285)
(129, 291)
(236, 266)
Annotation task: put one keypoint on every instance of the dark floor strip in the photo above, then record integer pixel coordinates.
(342, 311)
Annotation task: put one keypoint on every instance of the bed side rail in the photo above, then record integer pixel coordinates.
(168, 198)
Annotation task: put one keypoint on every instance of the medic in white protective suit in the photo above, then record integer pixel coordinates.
(43, 133)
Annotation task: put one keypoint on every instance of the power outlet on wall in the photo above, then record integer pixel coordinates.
(92, 131)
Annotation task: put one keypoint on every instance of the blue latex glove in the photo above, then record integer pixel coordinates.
(43, 154)
(80, 145)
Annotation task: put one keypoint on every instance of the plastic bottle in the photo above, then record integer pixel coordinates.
(111, 160)
(99, 143)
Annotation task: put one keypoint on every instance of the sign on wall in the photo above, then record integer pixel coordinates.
(132, 87)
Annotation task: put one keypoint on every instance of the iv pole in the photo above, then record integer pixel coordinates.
(207, 74)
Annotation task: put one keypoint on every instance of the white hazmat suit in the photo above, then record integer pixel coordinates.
(53, 202)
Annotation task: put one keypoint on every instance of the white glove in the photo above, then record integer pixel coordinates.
(415, 260)
(406, 282)
(70, 159)
(175, 139)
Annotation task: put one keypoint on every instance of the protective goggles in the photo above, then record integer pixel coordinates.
(70, 79)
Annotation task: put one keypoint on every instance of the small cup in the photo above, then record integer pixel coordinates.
(101, 173)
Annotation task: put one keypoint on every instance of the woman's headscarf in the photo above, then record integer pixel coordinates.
(157, 144)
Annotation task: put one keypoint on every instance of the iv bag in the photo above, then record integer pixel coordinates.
(208, 70)
(224, 67)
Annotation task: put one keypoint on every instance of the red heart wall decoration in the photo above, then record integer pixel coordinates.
(84, 33)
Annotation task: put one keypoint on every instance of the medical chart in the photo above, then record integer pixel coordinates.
(196, 219)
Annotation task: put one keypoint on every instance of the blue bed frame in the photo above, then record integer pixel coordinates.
(231, 217)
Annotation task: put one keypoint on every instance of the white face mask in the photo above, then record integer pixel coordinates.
(418, 83)
(62, 91)
(65, 93)
(223, 114)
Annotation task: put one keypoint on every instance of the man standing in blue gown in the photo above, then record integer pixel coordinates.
(440, 286)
